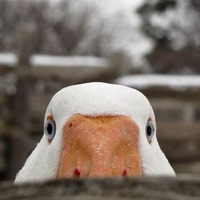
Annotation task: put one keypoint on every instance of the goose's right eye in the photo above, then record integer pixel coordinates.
(50, 129)
(150, 131)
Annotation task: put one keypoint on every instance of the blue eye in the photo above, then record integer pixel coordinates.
(150, 131)
(50, 129)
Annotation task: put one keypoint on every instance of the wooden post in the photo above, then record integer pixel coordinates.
(21, 106)
(20, 139)
(120, 63)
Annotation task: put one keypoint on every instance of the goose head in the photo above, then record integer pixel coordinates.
(96, 130)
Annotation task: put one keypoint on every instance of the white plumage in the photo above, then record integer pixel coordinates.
(95, 99)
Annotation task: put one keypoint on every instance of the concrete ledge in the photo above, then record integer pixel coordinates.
(155, 188)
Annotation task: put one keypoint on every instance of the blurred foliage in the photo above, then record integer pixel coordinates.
(173, 24)
(175, 29)
(159, 6)
(164, 4)
(55, 33)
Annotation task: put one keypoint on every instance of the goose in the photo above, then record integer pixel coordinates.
(96, 130)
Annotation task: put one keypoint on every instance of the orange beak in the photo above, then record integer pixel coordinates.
(102, 146)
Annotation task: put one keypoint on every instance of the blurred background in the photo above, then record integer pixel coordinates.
(150, 45)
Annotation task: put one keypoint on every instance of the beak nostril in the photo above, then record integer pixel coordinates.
(124, 173)
(77, 173)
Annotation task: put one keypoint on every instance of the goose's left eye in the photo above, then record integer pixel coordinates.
(50, 129)
(150, 131)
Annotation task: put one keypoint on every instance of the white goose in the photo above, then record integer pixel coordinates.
(96, 130)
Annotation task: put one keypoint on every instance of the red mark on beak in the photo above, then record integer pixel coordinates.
(77, 173)
(124, 173)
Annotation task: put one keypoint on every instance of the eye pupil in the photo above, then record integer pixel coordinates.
(49, 129)
(149, 130)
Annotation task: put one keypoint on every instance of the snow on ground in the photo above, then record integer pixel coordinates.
(71, 61)
(151, 80)
(10, 60)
